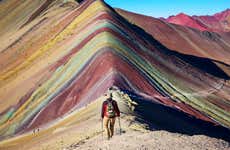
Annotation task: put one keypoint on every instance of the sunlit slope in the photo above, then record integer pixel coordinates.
(218, 22)
(92, 49)
(205, 44)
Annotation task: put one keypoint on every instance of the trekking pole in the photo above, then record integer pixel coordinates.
(119, 124)
(102, 127)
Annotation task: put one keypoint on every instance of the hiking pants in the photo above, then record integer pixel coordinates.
(109, 126)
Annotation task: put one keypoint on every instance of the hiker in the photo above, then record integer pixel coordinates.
(109, 113)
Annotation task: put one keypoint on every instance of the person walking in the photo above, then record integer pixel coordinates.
(109, 113)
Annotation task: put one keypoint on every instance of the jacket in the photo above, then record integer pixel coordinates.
(104, 107)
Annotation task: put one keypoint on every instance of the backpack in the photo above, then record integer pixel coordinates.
(110, 109)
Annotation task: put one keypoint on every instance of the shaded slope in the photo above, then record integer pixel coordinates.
(172, 120)
(94, 49)
(71, 132)
(211, 46)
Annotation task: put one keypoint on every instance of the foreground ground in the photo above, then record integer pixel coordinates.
(82, 130)
(134, 139)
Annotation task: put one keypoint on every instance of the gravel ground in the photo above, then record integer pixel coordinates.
(133, 139)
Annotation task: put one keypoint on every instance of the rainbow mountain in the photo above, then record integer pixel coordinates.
(57, 57)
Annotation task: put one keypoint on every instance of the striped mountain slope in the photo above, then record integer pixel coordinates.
(68, 55)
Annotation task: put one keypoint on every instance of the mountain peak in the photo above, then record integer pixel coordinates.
(216, 23)
(226, 10)
(178, 16)
(61, 61)
(222, 15)
(186, 20)
(181, 15)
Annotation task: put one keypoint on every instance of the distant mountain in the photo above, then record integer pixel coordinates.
(183, 19)
(57, 57)
(183, 39)
(219, 22)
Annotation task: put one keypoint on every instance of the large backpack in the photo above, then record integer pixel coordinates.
(110, 109)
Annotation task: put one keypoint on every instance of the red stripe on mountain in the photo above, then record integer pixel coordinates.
(80, 91)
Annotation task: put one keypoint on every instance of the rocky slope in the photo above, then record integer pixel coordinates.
(82, 130)
(57, 57)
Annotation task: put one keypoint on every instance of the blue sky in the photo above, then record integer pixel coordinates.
(165, 8)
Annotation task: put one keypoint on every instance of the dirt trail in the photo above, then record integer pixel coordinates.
(135, 137)
(82, 131)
